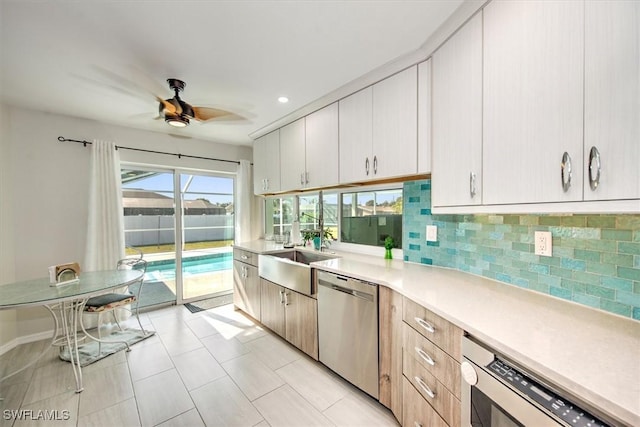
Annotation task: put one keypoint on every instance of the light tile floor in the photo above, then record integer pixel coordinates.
(211, 368)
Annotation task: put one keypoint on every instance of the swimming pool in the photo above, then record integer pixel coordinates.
(166, 269)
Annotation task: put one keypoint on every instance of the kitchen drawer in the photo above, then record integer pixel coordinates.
(245, 256)
(432, 390)
(444, 367)
(439, 331)
(416, 412)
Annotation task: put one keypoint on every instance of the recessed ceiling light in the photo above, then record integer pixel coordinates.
(283, 99)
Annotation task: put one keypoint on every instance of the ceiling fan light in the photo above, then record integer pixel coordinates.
(176, 120)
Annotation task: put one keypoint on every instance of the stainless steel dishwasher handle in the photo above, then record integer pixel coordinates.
(353, 292)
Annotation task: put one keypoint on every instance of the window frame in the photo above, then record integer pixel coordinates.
(337, 244)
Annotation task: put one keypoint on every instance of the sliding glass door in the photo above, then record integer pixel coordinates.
(183, 223)
(148, 203)
(207, 235)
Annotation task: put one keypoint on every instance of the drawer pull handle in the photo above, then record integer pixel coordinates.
(417, 424)
(244, 257)
(428, 326)
(425, 356)
(424, 387)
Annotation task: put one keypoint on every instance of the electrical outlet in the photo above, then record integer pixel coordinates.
(543, 243)
(432, 233)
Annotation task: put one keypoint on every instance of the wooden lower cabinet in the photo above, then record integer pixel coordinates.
(390, 350)
(439, 331)
(291, 315)
(432, 391)
(272, 306)
(246, 288)
(416, 411)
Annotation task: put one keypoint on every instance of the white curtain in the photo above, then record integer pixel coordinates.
(243, 202)
(105, 234)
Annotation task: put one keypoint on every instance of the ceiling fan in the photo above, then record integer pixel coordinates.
(178, 113)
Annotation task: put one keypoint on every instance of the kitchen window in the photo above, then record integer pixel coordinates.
(278, 216)
(363, 217)
(369, 217)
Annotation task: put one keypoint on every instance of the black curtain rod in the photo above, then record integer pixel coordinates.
(178, 155)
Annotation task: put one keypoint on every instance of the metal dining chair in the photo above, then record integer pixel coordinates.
(125, 299)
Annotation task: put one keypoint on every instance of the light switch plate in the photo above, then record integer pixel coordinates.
(543, 243)
(432, 233)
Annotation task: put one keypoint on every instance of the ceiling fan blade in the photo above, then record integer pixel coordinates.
(205, 114)
(165, 106)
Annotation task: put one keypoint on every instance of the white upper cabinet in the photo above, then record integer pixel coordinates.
(424, 117)
(395, 125)
(356, 135)
(378, 129)
(322, 147)
(292, 156)
(532, 101)
(611, 100)
(266, 158)
(457, 118)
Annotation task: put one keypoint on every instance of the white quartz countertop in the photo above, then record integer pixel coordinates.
(589, 353)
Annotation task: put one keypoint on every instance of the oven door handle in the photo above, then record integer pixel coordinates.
(518, 407)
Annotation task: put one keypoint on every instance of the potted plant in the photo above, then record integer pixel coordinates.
(307, 236)
(388, 245)
(314, 236)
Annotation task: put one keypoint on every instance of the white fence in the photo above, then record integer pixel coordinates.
(147, 230)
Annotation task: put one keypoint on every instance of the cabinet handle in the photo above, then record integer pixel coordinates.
(366, 165)
(428, 326)
(244, 257)
(286, 298)
(306, 177)
(281, 297)
(302, 178)
(416, 424)
(565, 171)
(424, 387)
(424, 356)
(472, 184)
(594, 168)
(375, 165)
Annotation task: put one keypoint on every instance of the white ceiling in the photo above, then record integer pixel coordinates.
(92, 58)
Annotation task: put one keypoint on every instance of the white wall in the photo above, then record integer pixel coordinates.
(44, 197)
(7, 317)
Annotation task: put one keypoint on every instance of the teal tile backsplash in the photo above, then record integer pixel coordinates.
(595, 262)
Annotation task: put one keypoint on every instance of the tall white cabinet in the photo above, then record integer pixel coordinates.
(292, 155)
(612, 100)
(424, 117)
(457, 118)
(321, 148)
(395, 125)
(532, 112)
(378, 129)
(356, 134)
(266, 161)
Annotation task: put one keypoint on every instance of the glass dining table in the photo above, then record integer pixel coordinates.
(65, 303)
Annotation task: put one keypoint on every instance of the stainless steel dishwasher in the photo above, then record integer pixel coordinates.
(348, 329)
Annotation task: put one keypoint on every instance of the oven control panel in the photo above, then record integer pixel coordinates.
(568, 412)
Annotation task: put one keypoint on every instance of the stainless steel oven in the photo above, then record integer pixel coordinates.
(497, 392)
